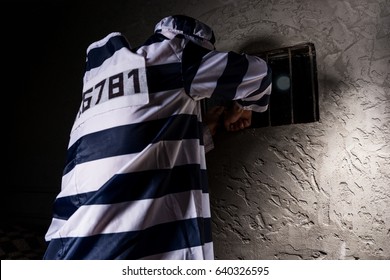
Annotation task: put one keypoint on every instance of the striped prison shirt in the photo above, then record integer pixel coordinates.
(135, 185)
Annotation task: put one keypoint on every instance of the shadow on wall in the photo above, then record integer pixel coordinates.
(257, 174)
(256, 46)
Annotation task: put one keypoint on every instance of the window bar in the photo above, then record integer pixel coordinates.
(291, 86)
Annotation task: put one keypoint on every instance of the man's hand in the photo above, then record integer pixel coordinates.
(237, 118)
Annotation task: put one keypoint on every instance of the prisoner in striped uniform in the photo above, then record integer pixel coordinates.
(135, 184)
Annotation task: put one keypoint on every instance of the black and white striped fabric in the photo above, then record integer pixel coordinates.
(135, 183)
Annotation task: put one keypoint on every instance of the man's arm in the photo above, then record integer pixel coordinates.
(227, 76)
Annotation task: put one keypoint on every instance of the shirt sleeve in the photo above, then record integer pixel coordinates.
(227, 76)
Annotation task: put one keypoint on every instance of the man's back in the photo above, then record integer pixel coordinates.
(135, 183)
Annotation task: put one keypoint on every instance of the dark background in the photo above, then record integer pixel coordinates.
(44, 44)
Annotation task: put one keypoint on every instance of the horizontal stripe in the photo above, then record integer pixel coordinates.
(258, 96)
(90, 176)
(132, 215)
(205, 252)
(207, 74)
(254, 78)
(136, 186)
(97, 119)
(260, 105)
(99, 51)
(266, 81)
(232, 76)
(155, 38)
(164, 77)
(192, 57)
(133, 138)
(134, 245)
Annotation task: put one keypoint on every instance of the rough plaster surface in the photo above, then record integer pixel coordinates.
(319, 190)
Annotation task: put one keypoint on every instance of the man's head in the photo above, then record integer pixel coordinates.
(198, 32)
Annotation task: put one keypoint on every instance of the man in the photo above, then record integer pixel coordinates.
(135, 183)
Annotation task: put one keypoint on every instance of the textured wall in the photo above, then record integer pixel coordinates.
(309, 191)
(319, 190)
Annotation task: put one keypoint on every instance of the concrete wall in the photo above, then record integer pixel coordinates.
(319, 190)
(308, 191)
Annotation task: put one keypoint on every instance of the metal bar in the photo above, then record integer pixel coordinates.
(291, 86)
